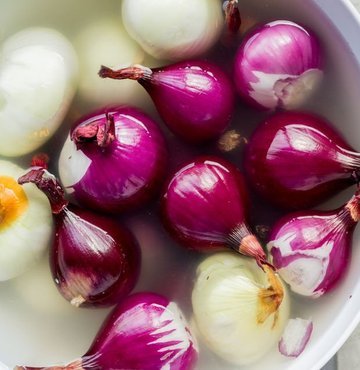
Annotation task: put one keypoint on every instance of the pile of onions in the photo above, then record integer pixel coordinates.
(311, 249)
(205, 208)
(94, 260)
(38, 76)
(194, 98)
(113, 160)
(297, 160)
(239, 311)
(176, 29)
(144, 332)
(278, 65)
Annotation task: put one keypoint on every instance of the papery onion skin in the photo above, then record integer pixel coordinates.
(37, 83)
(205, 207)
(144, 332)
(122, 175)
(177, 29)
(94, 260)
(225, 301)
(278, 65)
(26, 227)
(311, 249)
(296, 160)
(194, 98)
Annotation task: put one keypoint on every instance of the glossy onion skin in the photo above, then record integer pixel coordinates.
(204, 202)
(125, 174)
(144, 332)
(273, 55)
(311, 249)
(194, 98)
(93, 257)
(297, 160)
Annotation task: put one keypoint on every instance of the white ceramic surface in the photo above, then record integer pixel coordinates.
(31, 335)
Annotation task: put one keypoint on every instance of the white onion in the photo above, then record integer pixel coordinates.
(227, 311)
(38, 71)
(173, 29)
(106, 42)
(25, 237)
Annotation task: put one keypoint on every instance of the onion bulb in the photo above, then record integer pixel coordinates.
(144, 332)
(239, 311)
(37, 83)
(26, 227)
(176, 29)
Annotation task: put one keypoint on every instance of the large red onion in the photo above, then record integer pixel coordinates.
(311, 249)
(144, 332)
(278, 65)
(205, 208)
(297, 160)
(194, 98)
(94, 260)
(113, 160)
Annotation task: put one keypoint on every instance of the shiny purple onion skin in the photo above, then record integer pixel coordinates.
(142, 333)
(127, 173)
(297, 160)
(194, 98)
(311, 249)
(204, 202)
(276, 48)
(93, 257)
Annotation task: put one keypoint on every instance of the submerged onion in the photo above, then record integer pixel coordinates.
(26, 227)
(94, 260)
(311, 249)
(176, 29)
(278, 65)
(239, 311)
(205, 208)
(297, 160)
(113, 160)
(144, 332)
(38, 75)
(194, 98)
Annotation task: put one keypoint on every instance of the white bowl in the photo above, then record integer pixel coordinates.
(36, 331)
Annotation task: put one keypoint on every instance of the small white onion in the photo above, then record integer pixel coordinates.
(38, 71)
(173, 29)
(25, 237)
(105, 42)
(227, 308)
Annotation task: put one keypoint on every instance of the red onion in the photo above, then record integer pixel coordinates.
(296, 160)
(113, 160)
(94, 260)
(278, 65)
(205, 208)
(144, 332)
(194, 98)
(311, 249)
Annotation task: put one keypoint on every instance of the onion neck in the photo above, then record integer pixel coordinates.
(136, 72)
(243, 241)
(104, 135)
(353, 207)
(75, 365)
(49, 185)
(232, 16)
(270, 298)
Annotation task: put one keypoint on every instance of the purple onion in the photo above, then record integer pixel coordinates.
(113, 160)
(94, 261)
(194, 98)
(144, 332)
(311, 249)
(297, 160)
(205, 208)
(278, 65)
